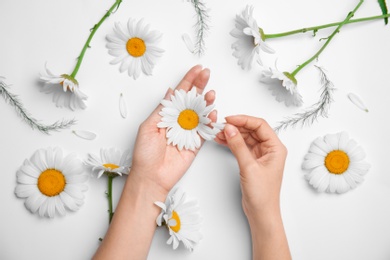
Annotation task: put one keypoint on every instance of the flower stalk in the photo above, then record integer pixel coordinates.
(329, 39)
(319, 27)
(109, 196)
(115, 7)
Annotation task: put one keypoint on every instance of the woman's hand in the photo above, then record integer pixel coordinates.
(156, 162)
(261, 157)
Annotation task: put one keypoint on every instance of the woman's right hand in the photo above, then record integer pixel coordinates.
(261, 157)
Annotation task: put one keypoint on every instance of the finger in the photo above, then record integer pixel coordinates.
(209, 97)
(259, 126)
(189, 79)
(201, 81)
(194, 77)
(213, 116)
(238, 146)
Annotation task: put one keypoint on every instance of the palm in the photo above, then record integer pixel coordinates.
(165, 164)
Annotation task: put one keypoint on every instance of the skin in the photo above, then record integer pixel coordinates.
(157, 167)
(261, 157)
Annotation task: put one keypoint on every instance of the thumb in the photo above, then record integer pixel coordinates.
(237, 145)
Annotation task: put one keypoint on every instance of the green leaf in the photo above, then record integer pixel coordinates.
(382, 4)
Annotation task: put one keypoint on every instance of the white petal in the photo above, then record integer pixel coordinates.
(87, 135)
(122, 106)
(357, 101)
(188, 42)
(357, 154)
(342, 185)
(343, 141)
(333, 183)
(332, 140)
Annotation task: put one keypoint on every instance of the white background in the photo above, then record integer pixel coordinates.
(354, 225)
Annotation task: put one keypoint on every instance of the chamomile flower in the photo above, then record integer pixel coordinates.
(51, 182)
(249, 39)
(185, 117)
(283, 86)
(134, 47)
(182, 219)
(111, 161)
(335, 163)
(65, 90)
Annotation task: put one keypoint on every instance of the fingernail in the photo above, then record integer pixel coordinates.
(230, 131)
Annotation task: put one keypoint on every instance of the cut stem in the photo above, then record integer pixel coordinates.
(324, 26)
(109, 196)
(329, 39)
(93, 31)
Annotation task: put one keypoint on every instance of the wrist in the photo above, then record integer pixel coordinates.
(147, 188)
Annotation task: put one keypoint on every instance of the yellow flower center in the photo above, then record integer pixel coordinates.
(188, 119)
(337, 162)
(51, 182)
(111, 166)
(175, 216)
(136, 47)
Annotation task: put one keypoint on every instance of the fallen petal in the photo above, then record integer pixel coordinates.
(357, 101)
(122, 106)
(87, 135)
(187, 40)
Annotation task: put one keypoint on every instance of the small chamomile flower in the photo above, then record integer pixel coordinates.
(249, 39)
(65, 90)
(335, 163)
(283, 86)
(51, 182)
(134, 47)
(182, 219)
(111, 161)
(185, 117)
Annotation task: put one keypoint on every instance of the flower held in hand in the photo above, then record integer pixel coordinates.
(185, 117)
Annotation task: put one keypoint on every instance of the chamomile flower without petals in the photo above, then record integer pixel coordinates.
(111, 161)
(335, 163)
(65, 90)
(249, 39)
(282, 85)
(51, 183)
(185, 117)
(134, 47)
(182, 219)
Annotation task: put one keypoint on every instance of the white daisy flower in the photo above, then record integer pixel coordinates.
(51, 182)
(283, 86)
(185, 117)
(182, 219)
(134, 47)
(250, 39)
(65, 90)
(335, 163)
(111, 161)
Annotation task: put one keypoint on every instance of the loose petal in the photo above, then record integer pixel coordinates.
(357, 101)
(122, 106)
(188, 42)
(87, 135)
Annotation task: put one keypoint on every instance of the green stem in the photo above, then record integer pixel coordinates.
(93, 31)
(319, 27)
(109, 197)
(349, 16)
